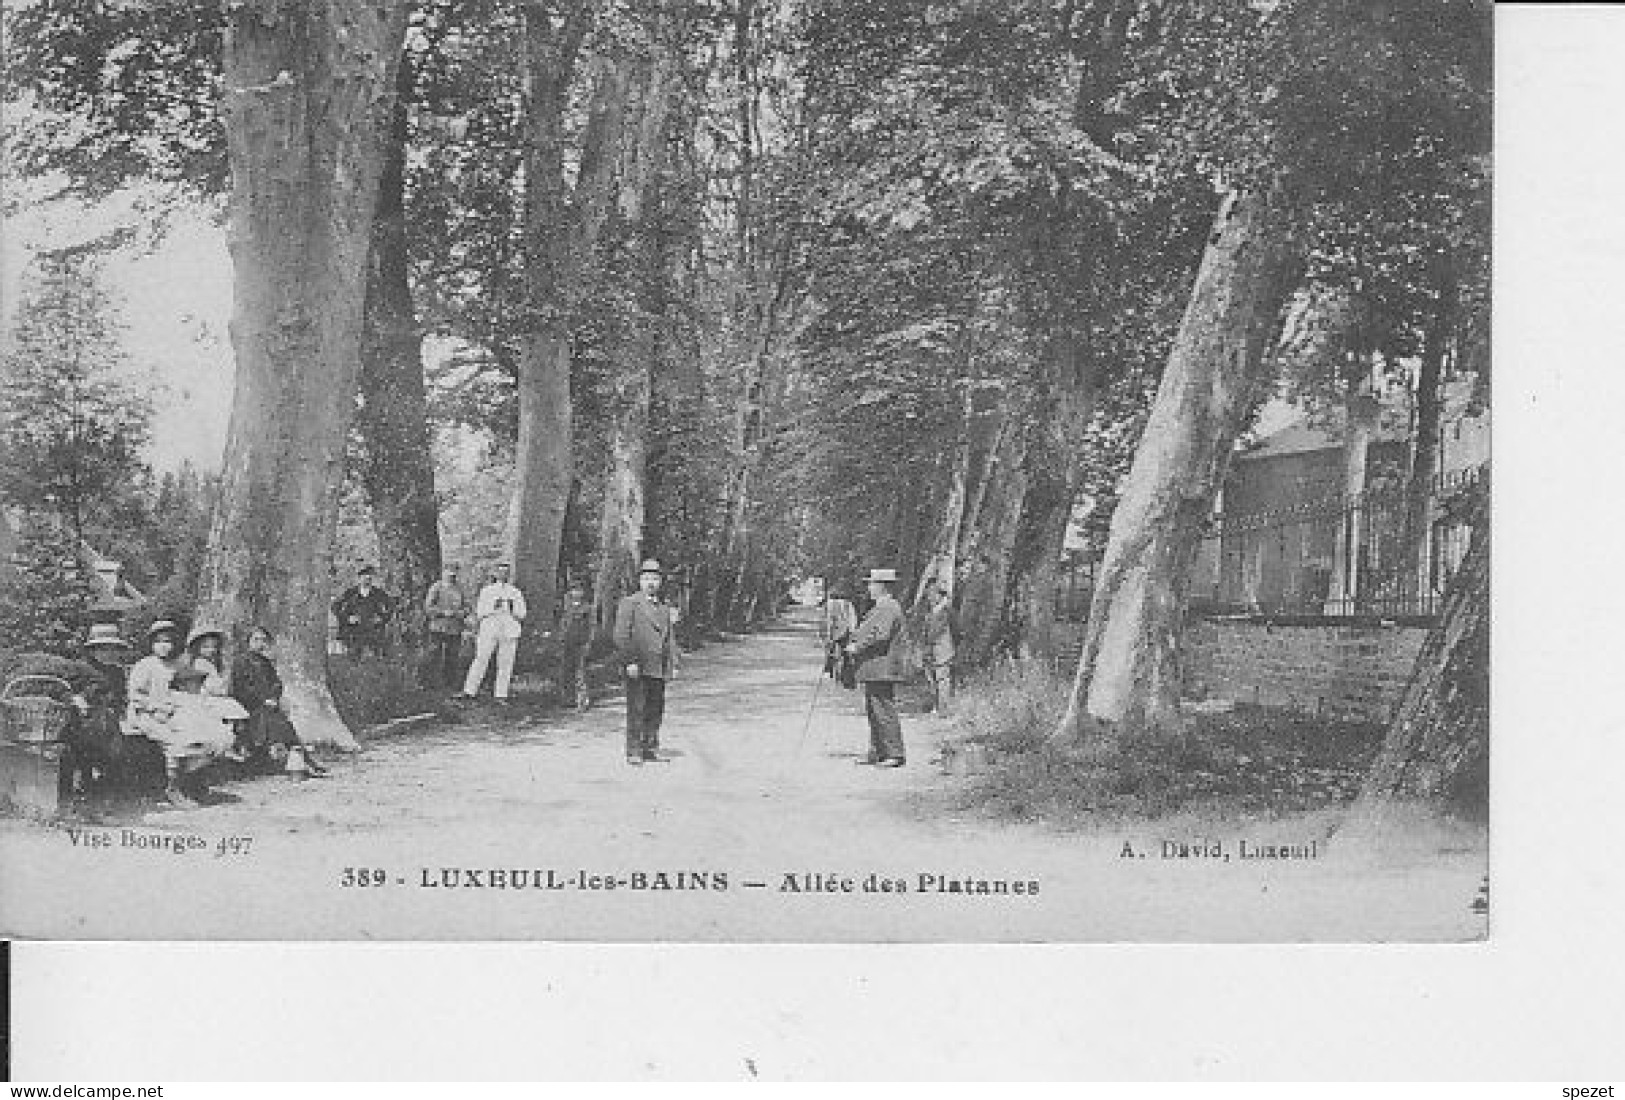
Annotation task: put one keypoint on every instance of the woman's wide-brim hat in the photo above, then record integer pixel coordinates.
(884, 576)
(105, 634)
(203, 632)
(163, 626)
(650, 565)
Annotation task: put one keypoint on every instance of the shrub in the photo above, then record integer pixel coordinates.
(1012, 706)
(370, 690)
(1251, 760)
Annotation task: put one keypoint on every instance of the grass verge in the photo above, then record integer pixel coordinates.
(1249, 762)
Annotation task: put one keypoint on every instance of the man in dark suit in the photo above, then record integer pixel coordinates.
(876, 646)
(646, 638)
(363, 612)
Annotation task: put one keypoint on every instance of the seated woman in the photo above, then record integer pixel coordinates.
(187, 730)
(206, 678)
(255, 684)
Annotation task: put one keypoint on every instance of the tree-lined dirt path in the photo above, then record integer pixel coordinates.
(747, 795)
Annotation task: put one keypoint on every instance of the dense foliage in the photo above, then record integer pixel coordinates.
(892, 283)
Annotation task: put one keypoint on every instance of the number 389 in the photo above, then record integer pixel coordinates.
(363, 876)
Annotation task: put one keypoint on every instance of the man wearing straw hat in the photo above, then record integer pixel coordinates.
(875, 646)
(95, 740)
(646, 639)
(106, 651)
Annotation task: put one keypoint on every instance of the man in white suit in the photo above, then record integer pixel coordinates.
(500, 611)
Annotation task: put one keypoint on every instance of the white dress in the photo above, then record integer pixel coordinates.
(184, 723)
(216, 693)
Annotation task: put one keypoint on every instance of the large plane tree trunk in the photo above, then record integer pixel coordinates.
(1437, 747)
(625, 483)
(561, 230)
(1127, 681)
(397, 462)
(310, 89)
(987, 551)
(1050, 497)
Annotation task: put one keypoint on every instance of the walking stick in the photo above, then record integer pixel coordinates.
(811, 707)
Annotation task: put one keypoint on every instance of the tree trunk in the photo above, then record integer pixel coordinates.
(621, 529)
(752, 433)
(1360, 412)
(1039, 590)
(1055, 469)
(975, 460)
(762, 263)
(561, 232)
(1437, 746)
(1425, 449)
(989, 549)
(996, 426)
(397, 461)
(620, 536)
(1127, 680)
(310, 90)
(914, 523)
(953, 509)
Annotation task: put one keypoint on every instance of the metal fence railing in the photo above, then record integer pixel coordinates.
(1378, 554)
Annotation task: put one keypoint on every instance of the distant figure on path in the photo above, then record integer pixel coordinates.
(646, 639)
(840, 620)
(445, 612)
(363, 612)
(840, 617)
(500, 610)
(874, 646)
(940, 633)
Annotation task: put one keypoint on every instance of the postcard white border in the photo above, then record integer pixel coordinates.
(1544, 998)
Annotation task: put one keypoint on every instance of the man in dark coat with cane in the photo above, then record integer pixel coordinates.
(646, 638)
(876, 646)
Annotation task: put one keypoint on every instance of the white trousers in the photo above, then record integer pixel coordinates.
(484, 645)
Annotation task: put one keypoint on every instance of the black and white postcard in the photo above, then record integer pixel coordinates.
(746, 471)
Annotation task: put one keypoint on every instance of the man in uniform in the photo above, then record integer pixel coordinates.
(875, 646)
(363, 612)
(445, 611)
(646, 639)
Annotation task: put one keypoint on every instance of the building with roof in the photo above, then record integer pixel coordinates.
(112, 595)
(1304, 527)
